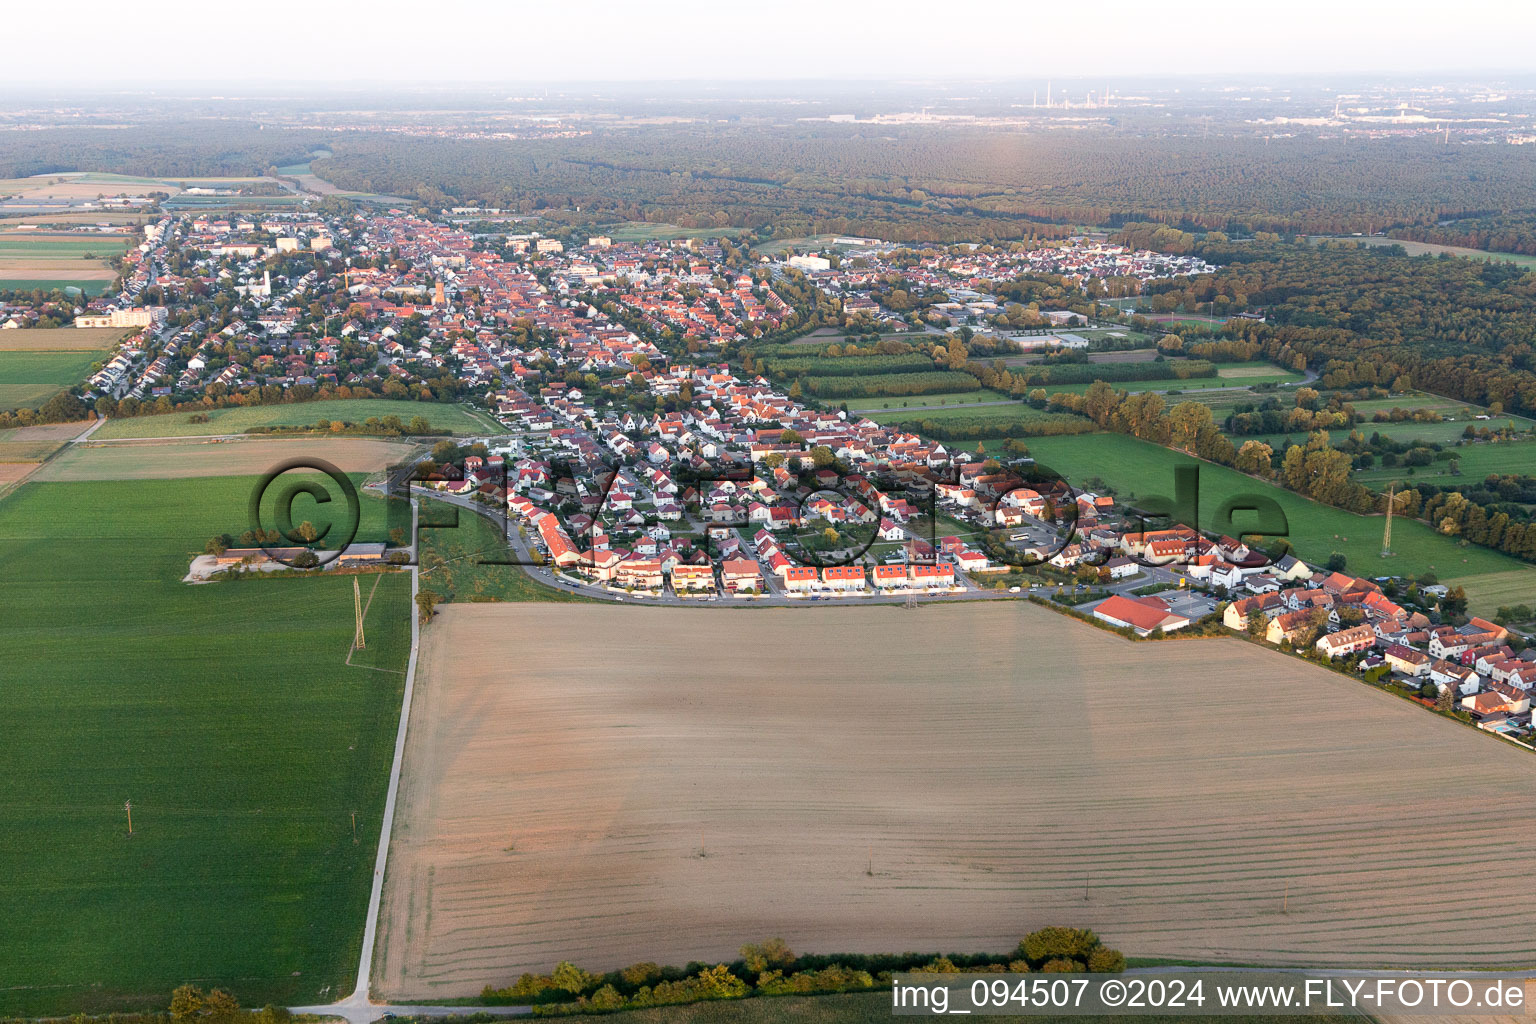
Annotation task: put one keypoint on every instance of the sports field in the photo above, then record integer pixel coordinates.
(571, 795)
(226, 713)
(28, 379)
(237, 419)
(1137, 469)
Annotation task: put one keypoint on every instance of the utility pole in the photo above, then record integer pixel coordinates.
(357, 606)
(354, 828)
(1386, 537)
(128, 806)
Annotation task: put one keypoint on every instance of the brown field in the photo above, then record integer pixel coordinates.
(53, 270)
(14, 472)
(1004, 767)
(70, 186)
(63, 339)
(34, 444)
(45, 432)
(150, 460)
(46, 218)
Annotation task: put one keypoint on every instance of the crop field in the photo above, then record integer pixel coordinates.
(89, 283)
(54, 433)
(225, 712)
(28, 379)
(63, 339)
(60, 245)
(887, 403)
(568, 795)
(1138, 469)
(162, 460)
(998, 415)
(30, 256)
(237, 419)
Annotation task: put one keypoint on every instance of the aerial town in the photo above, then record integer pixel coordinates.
(627, 472)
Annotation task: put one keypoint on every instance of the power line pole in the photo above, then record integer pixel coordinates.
(358, 642)
(128, 806)
(1386, 537)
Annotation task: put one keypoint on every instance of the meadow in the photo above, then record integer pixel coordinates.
(458, 562)
(1474, 462)
(1137, 469)
(1413, 248)
(225, 712)
(671, 804)
(28, 379)
(237, 419)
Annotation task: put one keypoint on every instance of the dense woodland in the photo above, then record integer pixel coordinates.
(905, 183)
(1366, 316)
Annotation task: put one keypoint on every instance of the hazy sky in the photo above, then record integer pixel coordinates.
(512, 41)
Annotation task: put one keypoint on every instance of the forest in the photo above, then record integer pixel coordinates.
(904, 183)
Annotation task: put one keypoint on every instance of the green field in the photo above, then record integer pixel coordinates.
(235, 420)
(888, 404)
(991, 415)
(28, 379)
(48, 284)
(1433, 249)
(1137, 469)
(454, 560)
(225, 712)
(61, 247)
(1475, 461)
(640, 231)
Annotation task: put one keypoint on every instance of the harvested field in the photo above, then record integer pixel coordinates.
(571, 794)
(11, 472)
(34, 444)
(17, 270)
(45, 432)
(160, 460)
(63, 339)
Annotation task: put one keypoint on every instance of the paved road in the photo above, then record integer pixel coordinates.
(100, 422)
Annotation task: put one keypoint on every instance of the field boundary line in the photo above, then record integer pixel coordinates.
(353, 649)
(360, 995)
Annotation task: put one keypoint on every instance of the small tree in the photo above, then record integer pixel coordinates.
(426, 604)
